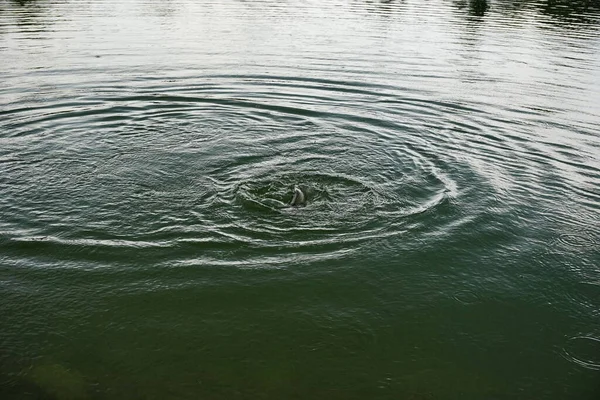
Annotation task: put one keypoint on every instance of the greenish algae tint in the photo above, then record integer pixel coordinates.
(448, 247)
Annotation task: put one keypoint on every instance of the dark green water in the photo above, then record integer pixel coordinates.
(449, 247)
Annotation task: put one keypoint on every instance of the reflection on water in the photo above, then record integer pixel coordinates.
(448, 247)
(577, 11)
(31, 17)
(571, 14)
(475, 7)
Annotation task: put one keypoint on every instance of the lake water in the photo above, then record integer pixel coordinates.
(449, 247)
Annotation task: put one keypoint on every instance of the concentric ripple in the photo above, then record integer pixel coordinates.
(164, 176)
(355, 191)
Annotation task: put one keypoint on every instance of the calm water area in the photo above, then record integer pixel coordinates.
(448, 248)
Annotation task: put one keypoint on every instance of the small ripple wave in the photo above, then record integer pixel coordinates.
(583, 350)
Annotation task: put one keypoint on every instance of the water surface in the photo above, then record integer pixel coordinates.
(449, 247)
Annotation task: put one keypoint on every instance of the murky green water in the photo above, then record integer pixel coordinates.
(450, 243)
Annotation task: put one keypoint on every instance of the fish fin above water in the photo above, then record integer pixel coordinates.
(298, 198)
